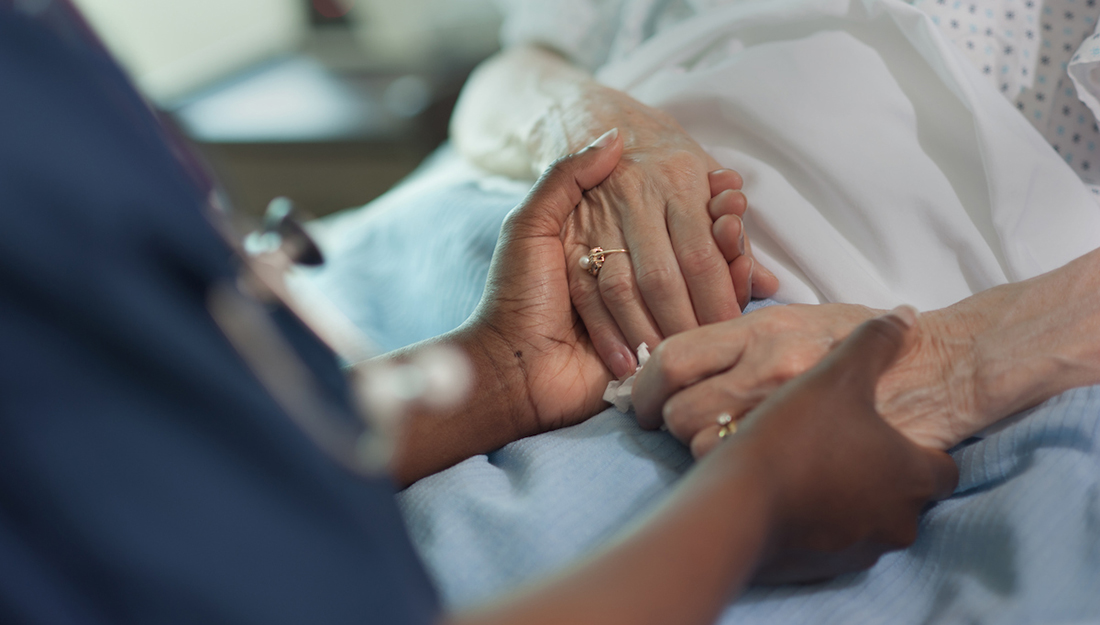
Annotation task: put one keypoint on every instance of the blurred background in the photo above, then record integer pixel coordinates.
(328, 102)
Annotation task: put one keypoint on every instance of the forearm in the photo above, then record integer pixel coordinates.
(683, 564)
(522, 109)
(997, 352)
(492, 414)
(1037, 338)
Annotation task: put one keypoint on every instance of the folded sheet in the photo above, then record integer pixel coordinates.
(880, 168)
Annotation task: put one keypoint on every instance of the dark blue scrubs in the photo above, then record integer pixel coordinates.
(145, 475)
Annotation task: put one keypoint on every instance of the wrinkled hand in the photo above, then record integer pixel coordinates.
(845, 487)
(930, 394)
(680, 216)
(525, 324)
(733, 366)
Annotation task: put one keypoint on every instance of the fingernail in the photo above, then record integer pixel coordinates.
(741, 237)
(605, 139)
(905, 314)
(747, 297)
(620, 365)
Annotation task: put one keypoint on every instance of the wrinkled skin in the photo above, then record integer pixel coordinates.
(732, 367)
(931, 393)
(846, 487)
(680, 216)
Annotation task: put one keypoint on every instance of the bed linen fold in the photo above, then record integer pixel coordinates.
(880, 167)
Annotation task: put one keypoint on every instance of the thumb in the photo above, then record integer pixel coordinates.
(945, 473)
(870, 350)
(560, 188)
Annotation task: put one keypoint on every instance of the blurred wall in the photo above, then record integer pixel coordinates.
(412, 31)
(329, 102)
(172, 47)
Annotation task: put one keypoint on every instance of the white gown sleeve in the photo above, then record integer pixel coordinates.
(581, 30)
(1084, 70)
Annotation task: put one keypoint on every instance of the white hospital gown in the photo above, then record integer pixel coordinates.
(1043, 55)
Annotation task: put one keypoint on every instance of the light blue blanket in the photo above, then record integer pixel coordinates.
(1018, 543)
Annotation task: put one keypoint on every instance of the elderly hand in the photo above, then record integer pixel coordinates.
(832, 512)
(733, 366)
(680, 218)
(931, 394)
(666, 201)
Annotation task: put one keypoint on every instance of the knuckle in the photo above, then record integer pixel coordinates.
(657, 278)
(791, 364)
(580, 292)
(677, 415)
(616, 288)
(701, 262)
(666, 360)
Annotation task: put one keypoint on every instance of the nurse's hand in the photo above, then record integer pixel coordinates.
(526, 328)
(845, 487)
(534, 367)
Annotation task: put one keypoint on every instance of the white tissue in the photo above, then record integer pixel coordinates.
(618, 391)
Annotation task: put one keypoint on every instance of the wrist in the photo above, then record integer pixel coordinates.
(578, 111)
(734, 497)
(750, 482)
(1040, 338)
(500, 378)
(931, 393)
(995, 353)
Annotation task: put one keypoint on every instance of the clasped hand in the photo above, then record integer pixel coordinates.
(846, 487)
(679, 215)
(829, 514)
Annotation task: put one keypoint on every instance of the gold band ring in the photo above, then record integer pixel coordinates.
(726, 426)
(595, 259)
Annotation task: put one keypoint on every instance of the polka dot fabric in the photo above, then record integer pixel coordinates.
(999, 37)
(1025, 48)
